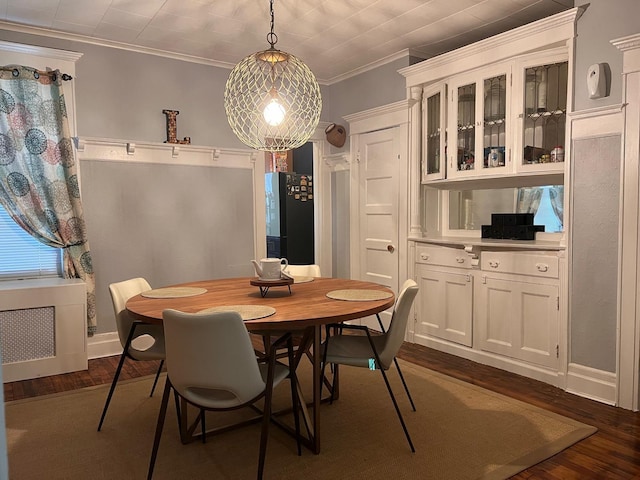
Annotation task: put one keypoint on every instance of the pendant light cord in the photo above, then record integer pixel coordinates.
(272, 38)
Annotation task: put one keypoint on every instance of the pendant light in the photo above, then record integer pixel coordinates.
(272, 99)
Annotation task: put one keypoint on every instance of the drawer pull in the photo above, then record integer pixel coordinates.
(494, 263)
(542, 267)
(424, 256)
(459, 259)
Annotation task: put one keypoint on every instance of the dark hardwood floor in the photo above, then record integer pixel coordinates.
(612, 453)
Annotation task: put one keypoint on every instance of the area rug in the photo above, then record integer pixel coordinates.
(460, 431)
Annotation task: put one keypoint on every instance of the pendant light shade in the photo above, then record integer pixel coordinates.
(272, 99)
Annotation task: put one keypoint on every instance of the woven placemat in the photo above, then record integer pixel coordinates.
(174, 292)
(357, 295)
(302, 279)
(247, 312)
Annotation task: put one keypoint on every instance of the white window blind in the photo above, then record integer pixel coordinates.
(22, 256)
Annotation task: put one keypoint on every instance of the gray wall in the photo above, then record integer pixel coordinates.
(167, 223)
(603, 21)
(121, 94)
(595, 190)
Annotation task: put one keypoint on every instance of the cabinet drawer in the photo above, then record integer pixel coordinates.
(520, 263)
(448, 257)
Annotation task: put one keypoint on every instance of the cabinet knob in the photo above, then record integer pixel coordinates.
(424, 256)
(459, 259)
(391, 248)
(542, 267)
(494, 263)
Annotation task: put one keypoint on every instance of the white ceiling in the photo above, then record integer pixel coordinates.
(335, 38)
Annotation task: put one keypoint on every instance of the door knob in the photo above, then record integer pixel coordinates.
(391, 248)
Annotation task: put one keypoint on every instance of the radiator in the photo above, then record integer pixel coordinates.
(27, 334)
(42, 328)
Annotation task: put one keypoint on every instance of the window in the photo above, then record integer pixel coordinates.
(22, 256)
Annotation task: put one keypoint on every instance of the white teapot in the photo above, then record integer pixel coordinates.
(270, 268)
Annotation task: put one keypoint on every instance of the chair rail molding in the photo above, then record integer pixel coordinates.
(91, 148)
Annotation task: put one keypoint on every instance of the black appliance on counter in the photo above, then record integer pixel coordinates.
(512, 226)
(289, 202)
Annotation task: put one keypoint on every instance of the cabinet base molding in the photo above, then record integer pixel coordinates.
(551, 377)
(591, 383)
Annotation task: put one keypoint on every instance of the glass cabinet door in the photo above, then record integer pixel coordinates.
(481, 125)
(466, 128)
(545, 115)
(434, 134)
(495, 122)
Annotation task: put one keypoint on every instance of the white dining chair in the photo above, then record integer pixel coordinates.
(373, 351)
(212, 366)
(129, 331)
(311, 270)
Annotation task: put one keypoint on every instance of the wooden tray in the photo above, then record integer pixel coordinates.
(265, 285)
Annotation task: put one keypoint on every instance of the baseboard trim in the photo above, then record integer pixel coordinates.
(103, 345)
(591, 383)
(546, 375)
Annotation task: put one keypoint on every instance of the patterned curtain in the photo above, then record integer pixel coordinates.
(38, 171)
(528, 199)
(556, 194)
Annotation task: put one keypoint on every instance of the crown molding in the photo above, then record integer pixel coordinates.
(407, 52)
(47, 32)
(53, 53)
(552, 30)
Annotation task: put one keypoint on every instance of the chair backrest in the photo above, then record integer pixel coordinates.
(120, 293)
(398, 325)
(303, 270)
(210, 358)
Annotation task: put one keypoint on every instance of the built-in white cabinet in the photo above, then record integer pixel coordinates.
(488, 134)
(508, 119)
(490, 303)
(445, 304)
(517, 312)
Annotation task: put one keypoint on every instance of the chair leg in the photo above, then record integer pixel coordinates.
(393, 398)
(202, 426)
(161, 416)
(115, 377)
(395, 360)
(334, 368)
(293, 379)
(266, 416)
(156, 379)
(395, 404)
(406, 388)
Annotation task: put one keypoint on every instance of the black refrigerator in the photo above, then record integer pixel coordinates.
(289, 201)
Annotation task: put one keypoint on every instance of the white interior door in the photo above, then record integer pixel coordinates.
(379, 154)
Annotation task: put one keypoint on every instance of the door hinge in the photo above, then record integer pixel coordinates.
(358, 156)
(557, 303)
(557, 351)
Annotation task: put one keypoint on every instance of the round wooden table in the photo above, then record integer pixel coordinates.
(306, 306)
(306, 309)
